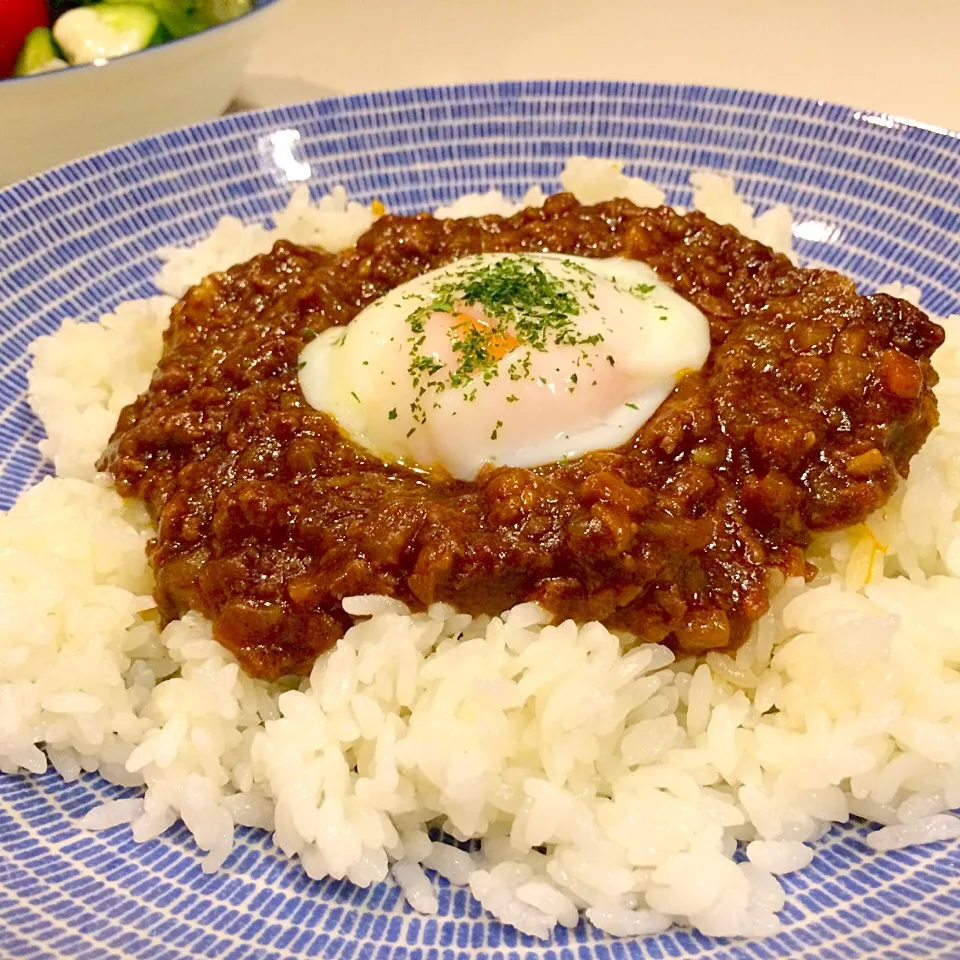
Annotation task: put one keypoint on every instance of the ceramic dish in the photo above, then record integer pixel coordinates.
(872, 195)
(53, 117)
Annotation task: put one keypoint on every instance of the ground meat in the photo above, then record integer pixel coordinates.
(811, 403)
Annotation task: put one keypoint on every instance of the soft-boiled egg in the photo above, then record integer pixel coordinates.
(509, 359)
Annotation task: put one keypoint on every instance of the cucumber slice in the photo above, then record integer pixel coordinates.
(178, 17)
(220, 11)
(105, 30)
(38, 54)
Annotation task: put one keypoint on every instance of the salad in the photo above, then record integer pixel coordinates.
(41, 35)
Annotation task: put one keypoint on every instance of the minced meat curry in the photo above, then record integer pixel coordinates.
(812, 401)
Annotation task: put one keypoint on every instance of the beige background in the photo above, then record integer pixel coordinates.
(893, 56)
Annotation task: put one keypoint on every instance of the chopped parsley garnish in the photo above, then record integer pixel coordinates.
(392, 415)
(355, 397)
(643, 289)
(513, 398)
(520, 369)
(632, 406)
(496, 430)
(516, 304)
(309, 332)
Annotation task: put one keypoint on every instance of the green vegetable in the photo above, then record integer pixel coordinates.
(38, 54)
(178, 17)
(104, 30)
(220, 11)
(183, 17)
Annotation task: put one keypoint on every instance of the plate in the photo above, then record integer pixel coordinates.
(875, 196)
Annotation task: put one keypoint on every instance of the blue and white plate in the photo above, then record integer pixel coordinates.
(875, 196)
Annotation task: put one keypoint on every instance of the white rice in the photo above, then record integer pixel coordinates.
(617, 784)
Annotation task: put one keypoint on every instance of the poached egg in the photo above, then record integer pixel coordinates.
(509, 359)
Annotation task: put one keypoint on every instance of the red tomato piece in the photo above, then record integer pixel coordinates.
(17, 19)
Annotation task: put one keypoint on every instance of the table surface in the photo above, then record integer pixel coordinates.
(886, 56)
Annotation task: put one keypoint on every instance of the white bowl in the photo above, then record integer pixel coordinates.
(50, 118)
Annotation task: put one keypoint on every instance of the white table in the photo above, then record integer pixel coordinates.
(889, 56)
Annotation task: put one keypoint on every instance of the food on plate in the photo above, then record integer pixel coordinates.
(640, 427)
(94, 32)
(596, 778)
